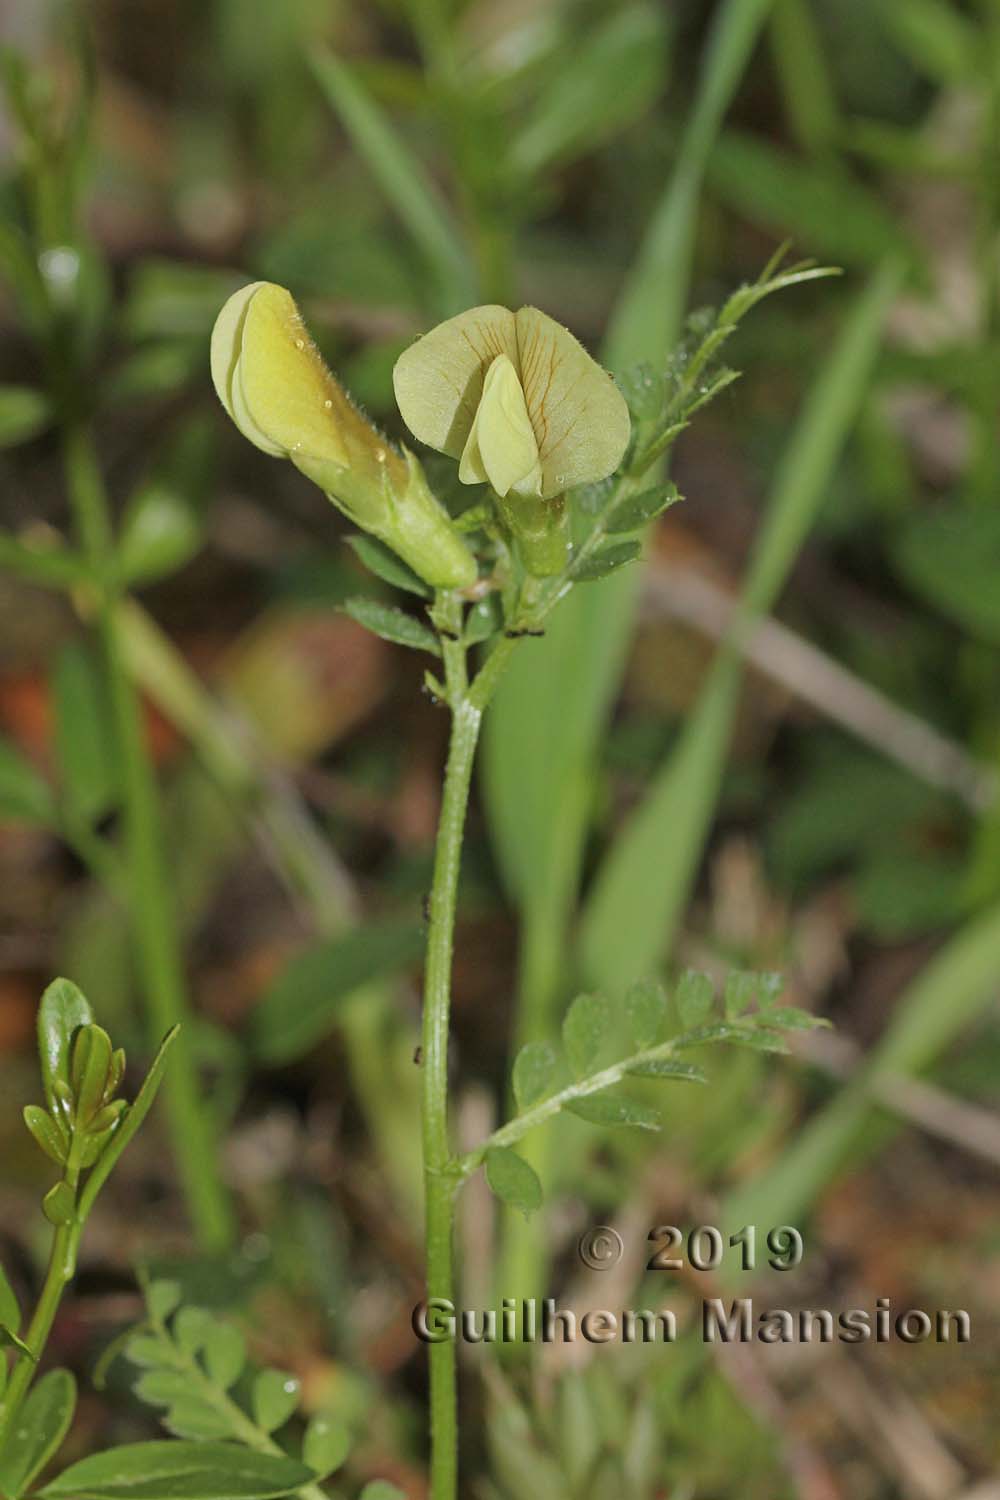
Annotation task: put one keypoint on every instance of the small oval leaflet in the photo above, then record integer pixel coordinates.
(513, 1180)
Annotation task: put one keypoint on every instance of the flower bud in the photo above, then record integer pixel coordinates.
(271, 379)
(522, 406)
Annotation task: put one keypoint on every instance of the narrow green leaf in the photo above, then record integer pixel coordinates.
(381, 1489)
(24, 794)
(170, 1470)
(614, 1109)
(584, 1031)
(403, 181)
(384, 563)
(83, 740)
(648, 316)
(828, 213)
(392, 624)
(160, 532)
(24, 413)
(325, 1446)
(646, 1010)
(758, 1039)
(534, 1073)
(943, 43)
(37, 1435)
(617, 69)
(10, 1310)
(513, 1181)
(130, 1123)
(62, 1011)
(303, 1003)
(607, 560)
(630, 920)
(666, 1067)
(636, 510)
(275, 1396)
(694, 997)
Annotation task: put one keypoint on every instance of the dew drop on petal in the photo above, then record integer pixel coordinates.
(328, 403)
(300, 343)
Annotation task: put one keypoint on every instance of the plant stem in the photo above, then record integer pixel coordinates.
(58, 1274)
(154, 924)
(440, 1179)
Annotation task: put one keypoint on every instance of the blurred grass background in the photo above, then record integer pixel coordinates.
(820, 800)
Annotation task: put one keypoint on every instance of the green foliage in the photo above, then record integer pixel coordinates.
(179, 1471)
(302, 1004)
(392, 624)
(513, 1180)
(37, 1436)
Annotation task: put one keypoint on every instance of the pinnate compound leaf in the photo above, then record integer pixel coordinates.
(513, 1180)
(173, 1470)
(584, 1030)
(534, 1073)
(325, 1446)
(275, 1397)
(614, 1109)
(646, 1010)
(392, 624)
(37, 1435)
(62, 1011)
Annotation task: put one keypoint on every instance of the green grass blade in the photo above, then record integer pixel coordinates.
(648, 317)
(542, 734)
(803, 76)
(403, 181)
(641, 889)
(945, 997)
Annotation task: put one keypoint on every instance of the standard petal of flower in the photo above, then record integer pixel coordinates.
(288, 392)
(579, 416)
(227, 344)
(439, 380)
(501, 446)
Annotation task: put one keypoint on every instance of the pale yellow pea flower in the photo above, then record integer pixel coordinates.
(522, 406)
(272, 380)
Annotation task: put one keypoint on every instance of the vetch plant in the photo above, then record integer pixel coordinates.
(561, 454)
(83, 1127)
